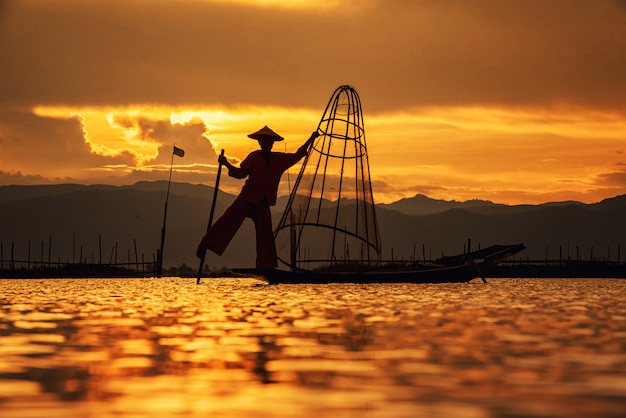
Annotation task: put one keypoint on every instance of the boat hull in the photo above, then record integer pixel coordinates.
(455, 269)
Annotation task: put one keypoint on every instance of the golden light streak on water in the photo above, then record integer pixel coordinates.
(238, 347)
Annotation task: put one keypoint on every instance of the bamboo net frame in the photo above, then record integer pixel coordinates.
(330, 219)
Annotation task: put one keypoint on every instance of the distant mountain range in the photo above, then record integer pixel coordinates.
(89, 221)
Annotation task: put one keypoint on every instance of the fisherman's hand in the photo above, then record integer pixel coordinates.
(223, 160)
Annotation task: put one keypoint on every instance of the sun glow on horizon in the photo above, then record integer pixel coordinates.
(454, 153)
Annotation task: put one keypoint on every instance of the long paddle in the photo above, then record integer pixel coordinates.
(217, 185)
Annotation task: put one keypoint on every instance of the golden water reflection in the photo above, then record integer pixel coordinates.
(238, 347)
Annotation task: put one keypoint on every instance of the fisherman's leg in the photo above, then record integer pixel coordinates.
(224, 229)
(265, 244)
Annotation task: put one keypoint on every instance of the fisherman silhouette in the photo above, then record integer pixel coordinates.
(263, 169)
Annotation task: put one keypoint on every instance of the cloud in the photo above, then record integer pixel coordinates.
(616, 179)
(45, 144)
(21, 179)
(190, 135)
(398, 53)
(622, 4)
(36, 148)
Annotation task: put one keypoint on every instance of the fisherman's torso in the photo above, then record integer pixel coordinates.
(264, 175)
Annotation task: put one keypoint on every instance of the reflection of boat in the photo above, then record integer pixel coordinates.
(451, 269)
(329, 231)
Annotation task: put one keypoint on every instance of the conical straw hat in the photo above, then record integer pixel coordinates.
(266, 132)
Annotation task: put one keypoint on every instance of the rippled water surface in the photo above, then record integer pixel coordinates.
(241, 348)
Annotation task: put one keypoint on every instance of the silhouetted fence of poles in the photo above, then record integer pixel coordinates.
(467, 248)
(568, 259)
(139, 267)
(561, 260)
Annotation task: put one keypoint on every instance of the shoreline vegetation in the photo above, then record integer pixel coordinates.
(515, 268)
(96, 270)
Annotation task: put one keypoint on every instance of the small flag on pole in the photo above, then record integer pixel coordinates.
(179, 151)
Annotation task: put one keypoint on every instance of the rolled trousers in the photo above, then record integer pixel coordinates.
(224, 229)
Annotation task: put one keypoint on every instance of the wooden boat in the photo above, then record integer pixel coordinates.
(452, 269)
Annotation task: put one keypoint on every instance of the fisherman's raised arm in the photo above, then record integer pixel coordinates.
(302, 151)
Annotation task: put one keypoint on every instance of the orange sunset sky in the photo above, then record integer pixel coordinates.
(506, 100)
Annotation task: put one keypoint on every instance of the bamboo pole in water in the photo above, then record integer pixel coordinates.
(136, 258)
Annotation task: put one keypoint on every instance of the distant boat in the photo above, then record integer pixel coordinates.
(329, 232)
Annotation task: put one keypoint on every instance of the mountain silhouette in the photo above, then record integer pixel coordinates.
(89, 223)
(423, 205)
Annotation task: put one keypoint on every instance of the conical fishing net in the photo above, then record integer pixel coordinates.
(330, 220)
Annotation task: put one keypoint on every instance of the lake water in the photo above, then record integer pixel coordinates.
(241, 348)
